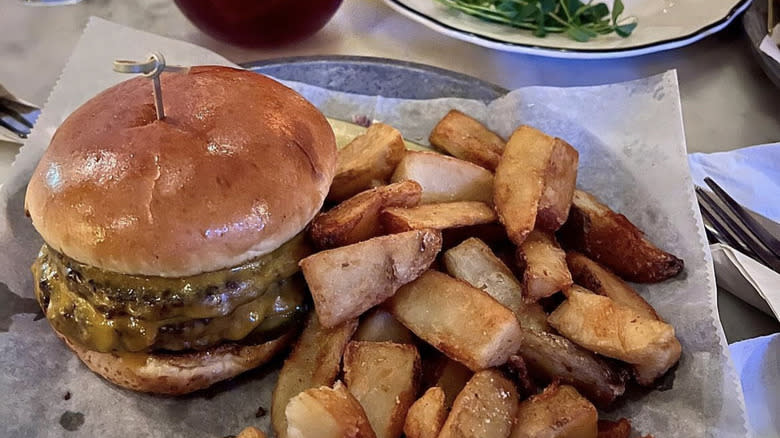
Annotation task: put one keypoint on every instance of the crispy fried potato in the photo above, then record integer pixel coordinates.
(666, 355)
(611, 239)
(378, 325)
(601, 325)
(449, 375)
(475, 263)
(558, 412)
(545, 265)
(426, 416)
(614, 429)
(576, 288)
(458, 319)
(467, 139)
(251, 432)
(357, 218)
(559, 184)
(315, 360)
(383, 377)
(437, 216)
(551, 357)
(327, 413)
(519, 181)
(367, 161)
(486, 407)
(598, 279)
(345, 282)
(518, 370)
(445, 179)
(535, 177)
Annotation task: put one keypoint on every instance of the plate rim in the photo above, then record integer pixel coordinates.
(755, 29)
(376, 61)
(557, 52)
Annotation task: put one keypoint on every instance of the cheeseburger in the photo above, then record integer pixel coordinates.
(171, 247)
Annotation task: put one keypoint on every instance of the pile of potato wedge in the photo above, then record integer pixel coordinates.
(470, 292)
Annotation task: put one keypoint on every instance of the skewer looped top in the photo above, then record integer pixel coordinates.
(151, 68)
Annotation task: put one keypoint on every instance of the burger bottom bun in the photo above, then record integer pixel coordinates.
(177, 374)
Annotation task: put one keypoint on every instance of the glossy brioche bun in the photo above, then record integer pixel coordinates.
(239, 166)
(177, 374)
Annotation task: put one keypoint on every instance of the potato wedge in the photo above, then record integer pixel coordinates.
(467, 139)
(598, 279)
(458, 319)
(536, 174)
(357, 218)
(611, 239)
(251, 432)
(345, 282)
(601, 325)
(315, 361)
(551, 357)
(367, 161)
(576, 288)
(445, 179)
(475, 263)
(449, 375)
(558, 412)
(383, 377)
(518, 370)
(666, 355)
(559, 184)
(545, 265)
(519, 181)
(426, 416)
(437, 216)
(379, 325)
(327, 413)
(486, 407)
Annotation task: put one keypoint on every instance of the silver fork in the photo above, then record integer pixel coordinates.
(12, 119)
(738, 229)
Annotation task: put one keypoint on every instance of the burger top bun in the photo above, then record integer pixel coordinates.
(239, 165)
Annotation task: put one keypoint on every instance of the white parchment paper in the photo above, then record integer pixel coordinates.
(632, 155)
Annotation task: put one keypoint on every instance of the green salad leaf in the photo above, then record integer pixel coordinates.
(579, 20)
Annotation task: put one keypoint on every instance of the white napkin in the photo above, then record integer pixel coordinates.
(747, 279)
(752, 177)
(757, 362)
(769, 44)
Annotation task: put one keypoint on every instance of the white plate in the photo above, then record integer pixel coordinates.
(663, 25)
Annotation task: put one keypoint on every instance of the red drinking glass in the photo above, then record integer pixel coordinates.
(259, 23)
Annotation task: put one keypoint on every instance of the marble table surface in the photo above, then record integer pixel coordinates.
(727, 100)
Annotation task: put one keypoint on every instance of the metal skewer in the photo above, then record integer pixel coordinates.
(151, 68)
